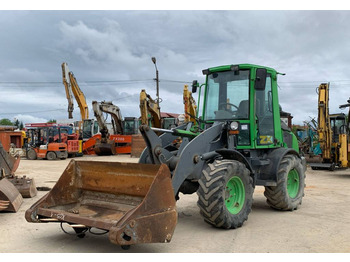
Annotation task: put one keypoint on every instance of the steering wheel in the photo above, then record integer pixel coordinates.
(225, 108)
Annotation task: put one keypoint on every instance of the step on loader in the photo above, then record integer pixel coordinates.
(238, 143)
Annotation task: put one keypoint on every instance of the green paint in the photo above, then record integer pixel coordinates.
(293, 183)
(185, 133)
(234, 195)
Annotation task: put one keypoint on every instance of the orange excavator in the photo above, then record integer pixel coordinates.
(116, 139)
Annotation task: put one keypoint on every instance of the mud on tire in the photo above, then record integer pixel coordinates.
(225, 194)
(288, 193)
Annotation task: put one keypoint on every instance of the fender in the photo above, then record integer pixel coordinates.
(235, 155)
(275, 157)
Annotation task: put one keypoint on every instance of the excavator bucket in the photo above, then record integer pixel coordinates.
(10, 198)
(135, 203)
(8, 163)
(26, 186)
(105, 149)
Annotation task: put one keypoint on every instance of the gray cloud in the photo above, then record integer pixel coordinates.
(309, 46)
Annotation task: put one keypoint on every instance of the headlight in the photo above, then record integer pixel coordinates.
(234, 126)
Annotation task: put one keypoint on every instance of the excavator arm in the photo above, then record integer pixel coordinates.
(107, 107)
(324, 125)
(190, 106)
(150, 112)
(72, 87)
(107, 146)
(68, 89)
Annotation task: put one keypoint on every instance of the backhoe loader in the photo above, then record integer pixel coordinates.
(332, 132)
(238, 144)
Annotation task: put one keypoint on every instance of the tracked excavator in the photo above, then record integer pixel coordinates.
(106, 145)
(86, 127)
(238, 144)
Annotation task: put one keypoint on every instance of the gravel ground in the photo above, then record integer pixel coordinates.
(321, 225)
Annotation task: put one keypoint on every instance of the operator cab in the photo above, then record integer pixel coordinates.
(242, 95)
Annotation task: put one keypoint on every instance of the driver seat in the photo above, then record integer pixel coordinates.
(243, 109)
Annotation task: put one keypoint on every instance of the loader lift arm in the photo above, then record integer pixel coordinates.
(72, 87)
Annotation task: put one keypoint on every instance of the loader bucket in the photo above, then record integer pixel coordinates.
(134, 202)
(10, 198)
(105, 149)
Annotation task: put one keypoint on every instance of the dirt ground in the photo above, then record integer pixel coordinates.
(321, 225)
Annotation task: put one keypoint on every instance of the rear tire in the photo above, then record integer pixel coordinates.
(225, 194)
(31, 154)
(288, 193)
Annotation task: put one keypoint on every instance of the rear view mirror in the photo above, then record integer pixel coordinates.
(260, 79)
(194, 86)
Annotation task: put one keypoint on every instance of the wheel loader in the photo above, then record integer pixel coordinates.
(238, 144)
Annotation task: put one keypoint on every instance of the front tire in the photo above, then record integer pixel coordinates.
(51, 155)
(225, 194)
(288, 193)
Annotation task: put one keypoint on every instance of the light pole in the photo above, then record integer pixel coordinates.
(157, 79)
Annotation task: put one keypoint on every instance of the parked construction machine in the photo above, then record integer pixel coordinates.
(86, 127)
(149, 110)
(332, 132)
(106, 145)
(45, 141)
(151, 115)
(238, 144)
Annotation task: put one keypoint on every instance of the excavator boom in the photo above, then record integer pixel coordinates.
(150, 112)
(190, 106)
(324, 126)
(106, 146)
(72, 87)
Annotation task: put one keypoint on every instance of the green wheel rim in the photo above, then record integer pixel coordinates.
(234, 195)
(293, 183)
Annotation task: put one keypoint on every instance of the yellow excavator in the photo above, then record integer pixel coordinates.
(332, 134)
(150, 110)
(190, 106)
(86, 127)
(72, 88)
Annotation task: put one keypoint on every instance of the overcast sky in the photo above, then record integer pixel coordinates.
(110, 53)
